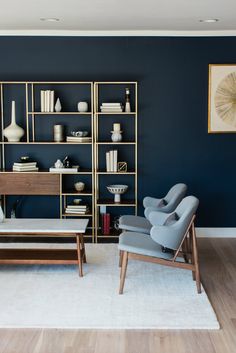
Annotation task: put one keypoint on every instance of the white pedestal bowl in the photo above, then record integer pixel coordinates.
(117, 190)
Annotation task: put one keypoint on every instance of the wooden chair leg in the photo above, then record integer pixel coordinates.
(79, 252)
(120, 258)
(191, 249)
(123, 271)
(196, 264)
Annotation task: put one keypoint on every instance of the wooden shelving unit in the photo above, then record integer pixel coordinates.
(99, 173)
(53, 183)
(31, 121)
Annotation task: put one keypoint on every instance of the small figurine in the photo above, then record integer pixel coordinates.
(67, 162)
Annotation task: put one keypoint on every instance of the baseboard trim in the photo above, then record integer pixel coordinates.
(216, 232)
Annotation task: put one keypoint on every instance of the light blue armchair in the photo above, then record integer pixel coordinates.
(174, 231)
(166, 205)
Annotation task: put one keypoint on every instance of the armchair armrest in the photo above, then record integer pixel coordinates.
(153, 202)
(158, 218)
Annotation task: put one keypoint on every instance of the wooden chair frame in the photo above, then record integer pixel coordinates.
(187, 250)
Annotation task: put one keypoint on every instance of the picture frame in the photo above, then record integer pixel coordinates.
(222, 98)
(122, 167)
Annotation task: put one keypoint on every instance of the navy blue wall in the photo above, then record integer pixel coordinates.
(174, 145)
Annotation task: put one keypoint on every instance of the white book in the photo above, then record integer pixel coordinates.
(111, 104)
(29, 164)
(63, 170)
(52, 101)
(112, 161)
(108, 161)
(42, 100)
(48, 100)
(45, 101)
(75, 212)
(115, 161)
(17, 169)
(110, 108)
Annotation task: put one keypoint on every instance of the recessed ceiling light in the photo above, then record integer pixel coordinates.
(210, 20)
(49, 19)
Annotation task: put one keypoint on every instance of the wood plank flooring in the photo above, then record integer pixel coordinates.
(218, 269)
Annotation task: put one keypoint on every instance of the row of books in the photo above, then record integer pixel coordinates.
(77, 209)
(106, 223)
(111, 108)
(111, 161)
(78, 139)
(25, 167)
(47, 101)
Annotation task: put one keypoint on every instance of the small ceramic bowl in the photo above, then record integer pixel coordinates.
(79, 133)
(77, 201)
(79, 186)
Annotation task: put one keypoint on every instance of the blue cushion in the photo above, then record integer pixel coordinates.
(138, 243)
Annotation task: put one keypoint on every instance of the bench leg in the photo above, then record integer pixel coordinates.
(83, 248)
(79, 252)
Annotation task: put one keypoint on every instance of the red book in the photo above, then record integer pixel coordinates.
(106, 224)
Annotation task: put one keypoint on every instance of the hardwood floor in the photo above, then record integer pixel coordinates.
(218, 270)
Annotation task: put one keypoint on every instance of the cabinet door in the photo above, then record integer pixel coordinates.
(29, 184)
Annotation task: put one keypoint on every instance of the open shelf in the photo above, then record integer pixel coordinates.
(115, 173)
(74, 193)
(45, 143)
(46, 172)
(59, 113)
(115, 143)
(77, 215)
(108, 202)
(115, 113)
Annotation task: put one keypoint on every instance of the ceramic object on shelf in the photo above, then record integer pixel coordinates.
(79, 133)
(13, 132)
(58, 133)
(77, 201)
(79, 186)
(1, 215)
(127, 100)
(82, 107)
(116, 136)
(58, 164)
(58, 105)
(117, 190)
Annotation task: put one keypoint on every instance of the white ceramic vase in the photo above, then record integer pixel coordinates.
(58, 105)
(1, 215)
(116, 136)
(13, 132)
(82, 107)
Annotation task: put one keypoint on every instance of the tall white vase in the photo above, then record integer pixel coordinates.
(13, 132)
(1, 215)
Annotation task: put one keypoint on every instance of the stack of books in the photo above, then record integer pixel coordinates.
(47, 101)
(25, 167)
(111, 108)
(77, 209)
(78, 139)
(111, 161)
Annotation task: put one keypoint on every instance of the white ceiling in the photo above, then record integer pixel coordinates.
(130, 16)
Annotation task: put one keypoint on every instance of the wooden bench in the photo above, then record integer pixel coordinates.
(45, 227)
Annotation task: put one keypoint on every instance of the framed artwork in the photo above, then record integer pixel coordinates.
(222, 98)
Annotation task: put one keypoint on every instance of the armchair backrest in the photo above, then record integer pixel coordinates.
(170, 201)
(174, 196)
(171, 233)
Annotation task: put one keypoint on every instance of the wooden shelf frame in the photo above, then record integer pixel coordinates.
(95, 116)
(98, 115)
(30, 137)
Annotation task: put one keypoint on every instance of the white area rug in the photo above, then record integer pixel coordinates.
(55, 297)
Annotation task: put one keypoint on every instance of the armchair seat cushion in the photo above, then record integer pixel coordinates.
(135, 224)
(138, 243)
